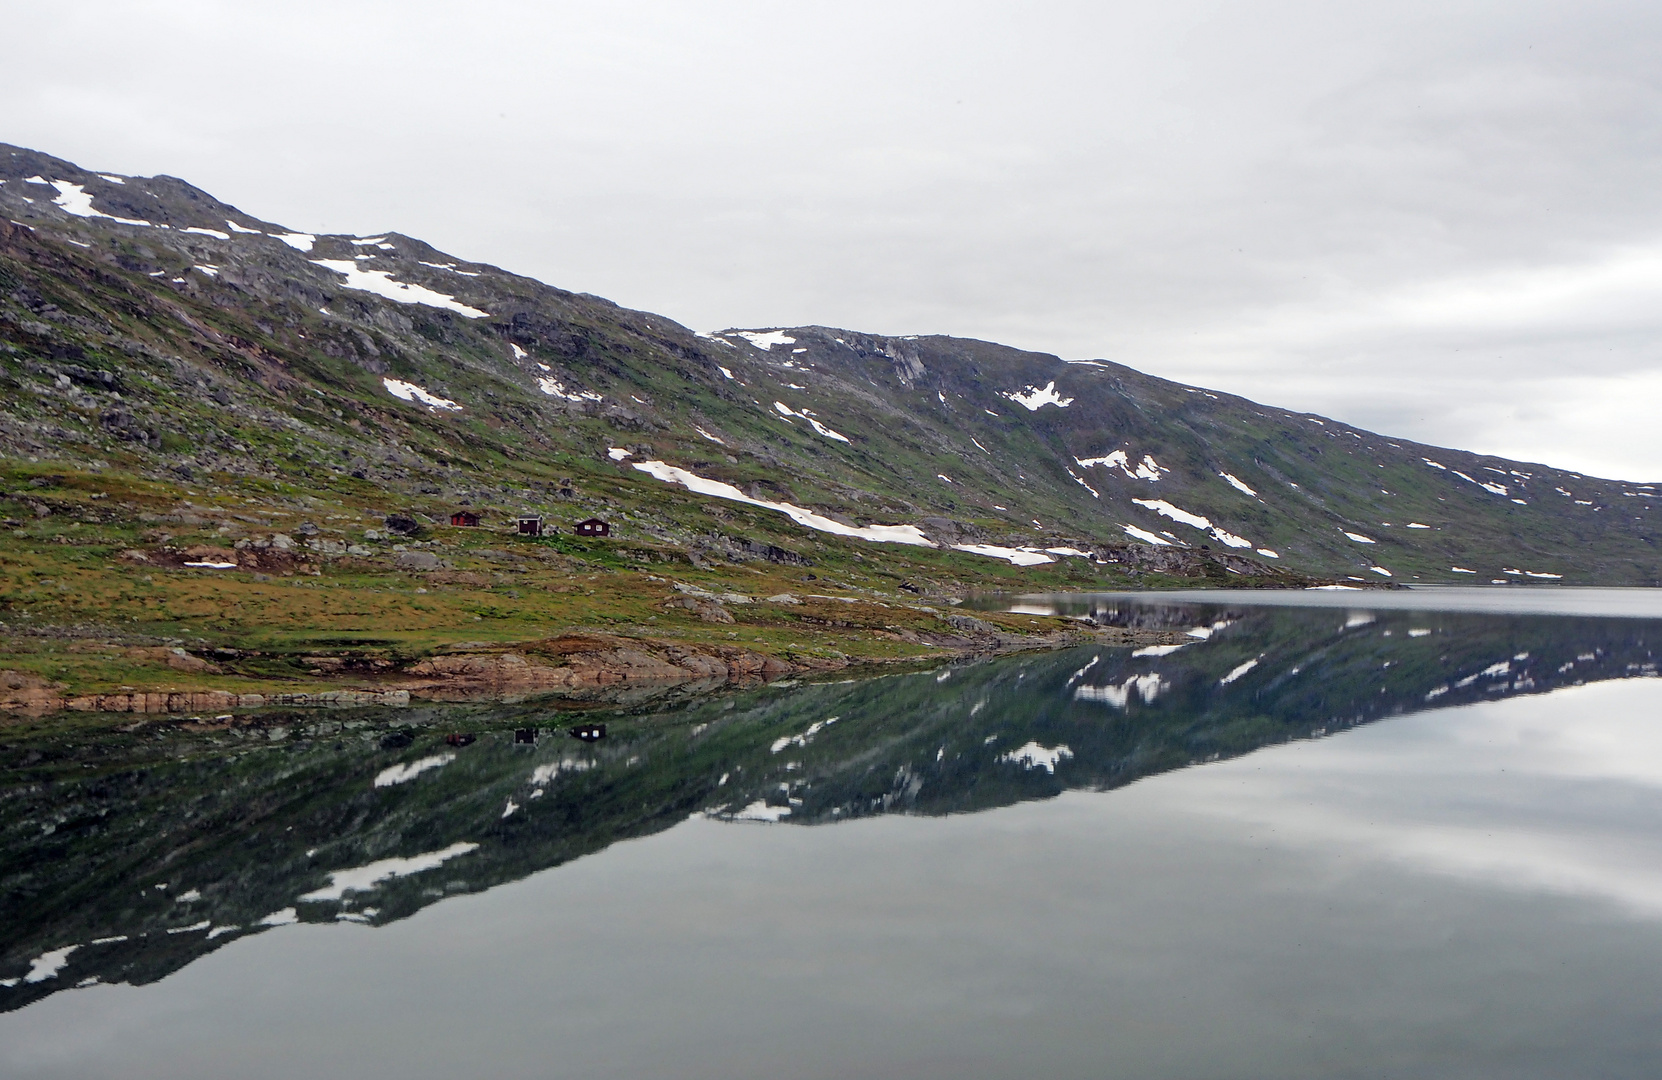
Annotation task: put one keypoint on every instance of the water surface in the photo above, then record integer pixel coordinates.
(1315, 841)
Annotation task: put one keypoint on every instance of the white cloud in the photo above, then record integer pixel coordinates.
(1410, 218)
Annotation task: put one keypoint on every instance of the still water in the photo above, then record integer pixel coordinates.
(1394, 835)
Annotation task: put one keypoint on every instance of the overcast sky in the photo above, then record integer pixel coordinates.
(1436, 220)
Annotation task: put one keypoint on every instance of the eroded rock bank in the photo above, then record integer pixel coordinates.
(593, 666)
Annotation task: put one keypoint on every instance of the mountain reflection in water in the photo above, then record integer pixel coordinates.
(126, 857)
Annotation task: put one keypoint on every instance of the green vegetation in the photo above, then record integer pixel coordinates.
(170, 398)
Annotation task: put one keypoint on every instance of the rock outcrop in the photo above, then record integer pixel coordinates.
(589, 665)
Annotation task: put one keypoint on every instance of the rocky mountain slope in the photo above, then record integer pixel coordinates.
(148, 326)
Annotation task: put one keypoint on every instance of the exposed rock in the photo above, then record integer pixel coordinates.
(584, 664)
(403, 525)
(709, 609)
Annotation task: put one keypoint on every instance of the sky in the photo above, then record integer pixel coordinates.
(1440, 221)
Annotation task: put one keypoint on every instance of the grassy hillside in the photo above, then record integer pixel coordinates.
(183, 383)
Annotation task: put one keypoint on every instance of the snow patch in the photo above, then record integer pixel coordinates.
(48, 964)
(1034, 756)
(1237, 485)
(299, 241)
(760, 810)
(381, 284)
(555, 388)
(207, 232)
(73, 200)
(1147, 687)
(1237, 672)
(1167, 510)
(234, 227)
(1145, 536)
(450, 267)
(891, 534)
(805, 414)
(1177, 514)
(807, 736)
(411, 392)
(1116, 458)
(765, 340)
(617, 453)
(1146, 469)
(1017, 556)
(1033, 398)
(399, 774)
(1359, 538)
(364, 878)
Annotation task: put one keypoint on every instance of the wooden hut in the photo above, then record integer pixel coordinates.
(593, 527)
(465, 519)
(530, 524)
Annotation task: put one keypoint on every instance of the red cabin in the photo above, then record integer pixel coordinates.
(465, 519)
(593, 527)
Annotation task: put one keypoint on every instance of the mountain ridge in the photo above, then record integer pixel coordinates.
(236, 372)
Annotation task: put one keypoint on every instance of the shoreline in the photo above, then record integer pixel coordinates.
(576, 668)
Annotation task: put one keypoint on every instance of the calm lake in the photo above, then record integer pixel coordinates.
(1337, 834)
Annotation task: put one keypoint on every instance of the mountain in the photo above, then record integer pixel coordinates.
(982, 439)
(188, 385)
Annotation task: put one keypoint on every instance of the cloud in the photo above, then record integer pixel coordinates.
(1286, 199)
